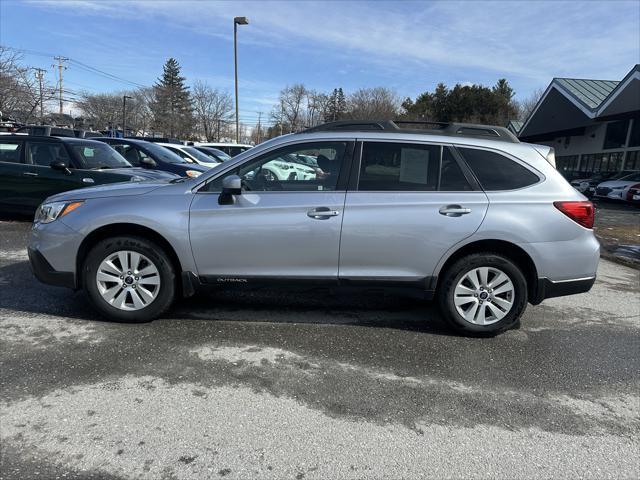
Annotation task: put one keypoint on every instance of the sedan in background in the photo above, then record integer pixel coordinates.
(192, 154)
(231, 149)
(214, 153)
(613, 189)
(145, 154)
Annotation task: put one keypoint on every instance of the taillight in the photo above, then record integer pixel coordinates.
(582, 213)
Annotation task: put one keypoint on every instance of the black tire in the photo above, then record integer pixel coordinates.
(455, 272)
(168, 282)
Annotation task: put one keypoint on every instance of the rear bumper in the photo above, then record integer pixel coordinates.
(44, 272)
(549, 289)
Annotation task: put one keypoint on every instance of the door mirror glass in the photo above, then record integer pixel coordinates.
(60, 166)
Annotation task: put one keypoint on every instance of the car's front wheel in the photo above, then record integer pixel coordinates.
(483, 293)
(129, 279)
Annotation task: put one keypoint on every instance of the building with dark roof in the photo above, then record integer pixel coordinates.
(594, 125)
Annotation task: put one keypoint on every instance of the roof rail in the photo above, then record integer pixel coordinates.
(422, 127)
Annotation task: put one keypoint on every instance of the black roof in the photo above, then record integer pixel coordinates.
(488, 132)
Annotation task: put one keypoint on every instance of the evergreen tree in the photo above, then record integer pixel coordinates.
(464, 103)
(337, 107)
(341, 104)
(172, 106)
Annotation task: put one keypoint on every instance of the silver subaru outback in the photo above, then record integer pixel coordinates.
(464, 214)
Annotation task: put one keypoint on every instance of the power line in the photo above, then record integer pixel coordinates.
(81, 66)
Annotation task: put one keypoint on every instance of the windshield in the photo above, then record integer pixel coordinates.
(215, 153)
(95, 156)
(164, 154)
(198, 155)
(634, 177)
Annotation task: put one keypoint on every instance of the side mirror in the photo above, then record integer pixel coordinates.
(148, 163)
(231, 185)
(60, 166)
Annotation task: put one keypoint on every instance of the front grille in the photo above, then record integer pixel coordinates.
(602, 191)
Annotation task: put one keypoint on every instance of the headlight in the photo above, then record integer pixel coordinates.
(193, 173)
(48, 212)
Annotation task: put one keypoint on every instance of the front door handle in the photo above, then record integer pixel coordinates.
(30, 174)
(454, 210)
(322, 213)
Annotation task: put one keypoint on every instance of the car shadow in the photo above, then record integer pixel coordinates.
(15, 217)
(23, 294)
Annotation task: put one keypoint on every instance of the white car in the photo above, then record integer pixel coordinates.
(191, 154)
(614, 189)
(286, 168)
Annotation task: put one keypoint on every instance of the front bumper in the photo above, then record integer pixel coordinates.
(44, 272)
(549, 289)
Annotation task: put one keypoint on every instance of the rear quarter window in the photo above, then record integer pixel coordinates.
(497, 172)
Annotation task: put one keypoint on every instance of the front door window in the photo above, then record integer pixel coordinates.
(297, 168)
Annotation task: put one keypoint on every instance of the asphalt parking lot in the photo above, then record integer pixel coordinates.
(314, 385)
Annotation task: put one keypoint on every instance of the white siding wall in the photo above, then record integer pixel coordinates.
(591, 142)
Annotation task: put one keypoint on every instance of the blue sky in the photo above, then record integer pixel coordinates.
(409, 46)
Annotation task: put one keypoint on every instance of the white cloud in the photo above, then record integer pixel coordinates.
(536, 40)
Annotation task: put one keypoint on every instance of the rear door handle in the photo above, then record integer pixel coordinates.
(454, 210)
(30, 174)
(322, 213)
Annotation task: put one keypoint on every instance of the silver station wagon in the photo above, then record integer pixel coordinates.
(463, 214)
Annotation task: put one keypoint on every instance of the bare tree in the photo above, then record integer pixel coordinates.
(104, 110)
(373, 104)
(526, 106)
(290, 112)
(19, 87)
(211, 107)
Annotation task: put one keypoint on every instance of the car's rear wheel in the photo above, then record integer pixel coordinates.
(129, 279)
(483, 294)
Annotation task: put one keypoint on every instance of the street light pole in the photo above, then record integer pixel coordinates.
(124, 114)
(237, 21)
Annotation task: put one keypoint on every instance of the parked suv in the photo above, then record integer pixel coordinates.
(35, 167)
(464, 214)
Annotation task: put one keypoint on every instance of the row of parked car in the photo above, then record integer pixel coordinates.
(621, 186)
(34, 167)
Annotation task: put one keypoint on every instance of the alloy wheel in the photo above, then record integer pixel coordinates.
(128, 280)
(484, 295)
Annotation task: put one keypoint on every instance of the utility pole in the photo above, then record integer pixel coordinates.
(124, 114)
(40, 76)
(259, 127)
(61, 67)
(237, 21)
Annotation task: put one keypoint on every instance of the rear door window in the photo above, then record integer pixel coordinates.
(452, 179)
(497, 172)
(11, 152)
(387, 166)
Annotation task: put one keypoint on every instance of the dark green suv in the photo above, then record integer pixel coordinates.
(34, 167)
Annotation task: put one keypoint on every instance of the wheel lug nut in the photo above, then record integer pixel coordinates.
(137, 278)
(475, 294)
(121, 277)
(128, 273)
(133, 286)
